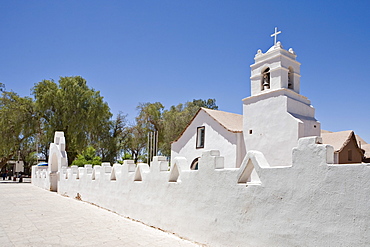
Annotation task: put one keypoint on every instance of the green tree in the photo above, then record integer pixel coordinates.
(18, 123)
(88, 156)
(197, 103)
(150, 116)
(135, 141)
(71, 106)
(178, 117)
(112, 137)
(169, 124)
(149, 119)
(28, 154)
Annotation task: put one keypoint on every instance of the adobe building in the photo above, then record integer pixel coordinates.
(346, 150)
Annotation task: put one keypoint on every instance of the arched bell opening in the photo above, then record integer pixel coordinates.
(290, 78)
(265, 79)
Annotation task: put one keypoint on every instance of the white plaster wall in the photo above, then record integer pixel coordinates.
(47, 177)
(216, 137)
(297, 107)
(40, 177)
(275, 131)
(312, 203)
(241, 150)
(306, 114)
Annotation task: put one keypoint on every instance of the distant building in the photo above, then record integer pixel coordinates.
(15, 166)
(346, 148)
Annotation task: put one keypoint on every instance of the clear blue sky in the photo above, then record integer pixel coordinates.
(175, 51)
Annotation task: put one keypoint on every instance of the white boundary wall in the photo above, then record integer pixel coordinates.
(311, 203)
(47, 177)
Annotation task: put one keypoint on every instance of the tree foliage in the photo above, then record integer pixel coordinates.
(18, 123)
(149, 119)
(135, 142)
(28, 154)
(178, 117)
(87, 157)
(111, 138)
(150, 116)
(169, 124)
(92, 136)
(74, 108)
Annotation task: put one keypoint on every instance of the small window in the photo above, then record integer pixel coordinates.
(200, 137)
(349, 155)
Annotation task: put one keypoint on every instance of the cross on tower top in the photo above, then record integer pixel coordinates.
(275, 35)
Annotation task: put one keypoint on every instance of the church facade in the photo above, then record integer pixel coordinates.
(211, 130)
(274, 117)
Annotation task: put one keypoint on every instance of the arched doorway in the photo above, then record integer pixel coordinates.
(194, 164)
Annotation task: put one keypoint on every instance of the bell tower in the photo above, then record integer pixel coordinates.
(275, 116)
(275, 69)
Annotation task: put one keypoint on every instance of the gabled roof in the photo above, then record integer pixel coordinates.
(326, 131)
(360, 140)
(337, 139)
(230, 121)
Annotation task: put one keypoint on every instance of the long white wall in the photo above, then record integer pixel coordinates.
(311, 203)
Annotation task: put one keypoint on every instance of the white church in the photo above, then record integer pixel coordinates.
(264, 178)
(274, 117)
